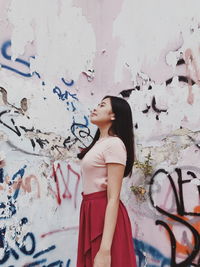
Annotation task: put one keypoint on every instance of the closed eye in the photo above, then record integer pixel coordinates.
(101, 104)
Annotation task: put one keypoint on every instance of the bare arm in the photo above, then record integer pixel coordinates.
(115, 176)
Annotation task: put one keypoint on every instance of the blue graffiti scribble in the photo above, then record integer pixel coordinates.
(8, 208)
(1, 175)
(73, 107)
(36, 73)
(83, 125)
(70, 104)
(56, 263)
(21, 173)
(36, 263)
(15, 70)
(11, 208)
(8, 251)
(67, 83)
(79, 125)
(4, 49)
(80, 130)
(44, 251)
(68, 263)
(142, 247)
(65, 95)
(27, 247)
(23, 248)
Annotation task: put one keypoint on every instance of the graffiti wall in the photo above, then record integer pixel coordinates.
(57, 60)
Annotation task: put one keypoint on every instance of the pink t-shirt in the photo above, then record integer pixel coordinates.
(93, 166)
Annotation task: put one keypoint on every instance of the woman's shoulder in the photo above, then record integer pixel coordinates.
(115, 141)
(115, 138)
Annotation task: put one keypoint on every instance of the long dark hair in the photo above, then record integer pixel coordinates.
(122, 126)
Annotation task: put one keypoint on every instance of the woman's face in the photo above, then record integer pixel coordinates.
(102, 114)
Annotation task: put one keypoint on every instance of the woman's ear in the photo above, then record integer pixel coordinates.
(113, 116)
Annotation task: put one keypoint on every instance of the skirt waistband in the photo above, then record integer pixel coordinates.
(100, 194)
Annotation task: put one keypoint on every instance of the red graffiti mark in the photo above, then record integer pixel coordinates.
(67, 193)
(60, 230)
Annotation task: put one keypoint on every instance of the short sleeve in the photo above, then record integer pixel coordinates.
(115, 151)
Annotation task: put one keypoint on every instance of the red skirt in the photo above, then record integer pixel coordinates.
(91, 223)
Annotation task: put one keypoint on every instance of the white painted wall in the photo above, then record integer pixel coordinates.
(64, 56)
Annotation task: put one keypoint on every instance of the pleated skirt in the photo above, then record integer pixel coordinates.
(91, 223)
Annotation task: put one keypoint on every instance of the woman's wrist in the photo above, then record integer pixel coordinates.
(105, 250)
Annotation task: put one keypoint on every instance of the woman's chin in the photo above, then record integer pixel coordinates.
(93, 121)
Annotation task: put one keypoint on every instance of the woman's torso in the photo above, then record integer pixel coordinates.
(93, 166)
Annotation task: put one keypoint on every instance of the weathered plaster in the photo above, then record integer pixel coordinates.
(58, 59)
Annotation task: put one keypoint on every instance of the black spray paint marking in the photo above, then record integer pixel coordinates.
(155, 108)
(179, 198)
(181, 78)
(37, 140)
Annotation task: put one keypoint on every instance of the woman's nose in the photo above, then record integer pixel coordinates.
(93, 111)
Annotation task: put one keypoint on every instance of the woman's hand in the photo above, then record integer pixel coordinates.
(102, 259)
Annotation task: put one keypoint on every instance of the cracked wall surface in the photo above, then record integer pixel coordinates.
(57, 60)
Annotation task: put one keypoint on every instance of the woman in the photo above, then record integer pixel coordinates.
(105, 236)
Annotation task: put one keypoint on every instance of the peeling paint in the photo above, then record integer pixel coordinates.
(55, 66)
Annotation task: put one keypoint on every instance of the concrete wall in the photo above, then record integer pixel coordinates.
(58, 59)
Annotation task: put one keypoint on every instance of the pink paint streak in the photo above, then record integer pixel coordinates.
(193, 73)
(101, 15)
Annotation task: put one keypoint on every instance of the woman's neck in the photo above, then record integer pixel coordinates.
(104, 133)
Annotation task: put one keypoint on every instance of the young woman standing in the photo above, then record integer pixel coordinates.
(105, 235)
